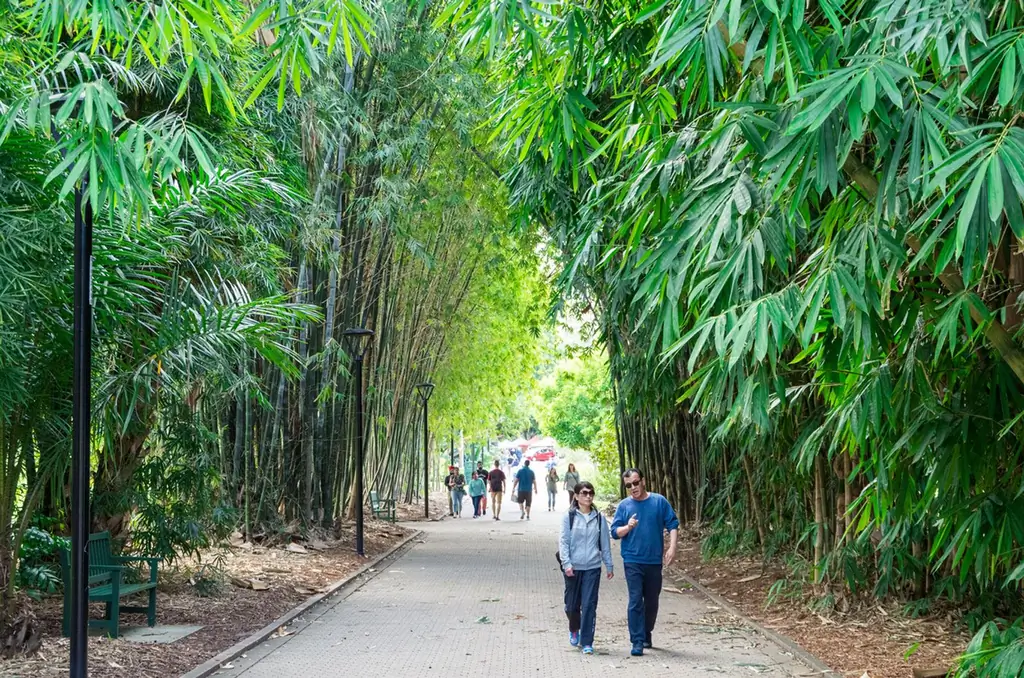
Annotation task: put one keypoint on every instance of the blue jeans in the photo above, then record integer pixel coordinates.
(456, 502)
(581, 603)
(476, 505)
(644, 584)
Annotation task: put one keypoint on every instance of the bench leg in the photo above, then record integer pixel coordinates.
(115, 617)
(151, 610)
(115, 605)
(66, 624)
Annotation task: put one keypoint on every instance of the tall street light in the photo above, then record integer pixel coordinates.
(81, 427)
(355, 345)
(424, 391)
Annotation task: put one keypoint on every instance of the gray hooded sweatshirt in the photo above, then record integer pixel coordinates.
(579, 549)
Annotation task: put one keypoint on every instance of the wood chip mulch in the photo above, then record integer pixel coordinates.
(870, 638)
(285, 576)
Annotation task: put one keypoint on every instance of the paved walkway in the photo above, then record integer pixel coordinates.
(484, 598)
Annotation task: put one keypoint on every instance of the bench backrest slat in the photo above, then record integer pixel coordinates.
(99, 552)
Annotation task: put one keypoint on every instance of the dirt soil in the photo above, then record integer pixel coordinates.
(869, 639)
(284, 576)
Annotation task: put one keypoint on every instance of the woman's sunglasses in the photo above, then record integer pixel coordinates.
(630, 486)
(586, 493)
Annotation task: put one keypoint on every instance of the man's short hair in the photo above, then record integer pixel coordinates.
(526, 463)
(497, 463)
(631, 471)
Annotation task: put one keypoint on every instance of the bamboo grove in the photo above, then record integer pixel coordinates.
(798, 225)
(263, 176)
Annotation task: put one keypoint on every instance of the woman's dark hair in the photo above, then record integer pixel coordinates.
(582, 485)
(572, 468)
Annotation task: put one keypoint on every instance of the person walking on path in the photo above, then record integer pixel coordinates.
(526, 481)
(552, 484)
(496, 479)
(477, 492)
(481, 473)
(572, 479)
(640, 522)
(456, 483)
(582, 547)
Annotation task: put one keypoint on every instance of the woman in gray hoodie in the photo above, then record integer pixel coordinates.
(583, 545)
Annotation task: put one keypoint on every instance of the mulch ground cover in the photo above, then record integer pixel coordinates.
(870, 638)
(276, 579)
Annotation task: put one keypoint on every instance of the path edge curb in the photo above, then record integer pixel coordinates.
(788, 644)
(211, 665)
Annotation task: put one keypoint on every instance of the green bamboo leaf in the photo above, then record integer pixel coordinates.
(1008, 78)
(995, 189)
(963, 223)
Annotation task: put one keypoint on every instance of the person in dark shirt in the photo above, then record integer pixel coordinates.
(482, 473)
(641, 520)
(526, 481)
(456, 484)
(496, 479)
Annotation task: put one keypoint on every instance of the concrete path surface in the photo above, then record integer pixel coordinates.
(484, 598)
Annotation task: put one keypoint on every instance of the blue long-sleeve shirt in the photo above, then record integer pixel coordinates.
(645, 544)
(578, 548)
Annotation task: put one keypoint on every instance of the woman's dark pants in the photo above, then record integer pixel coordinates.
(476, 505)
(581, 603)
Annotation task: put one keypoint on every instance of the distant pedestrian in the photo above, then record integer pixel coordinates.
(571, 480)
(640, 522)
(551, 480)
(477, 492)
(496, 479)
(482, 474)
(582, 547)
(456, 483)
(526, 481)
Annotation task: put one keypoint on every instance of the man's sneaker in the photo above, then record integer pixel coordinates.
(587, 649)
(637, 651)
(648, 644)
(574, 638)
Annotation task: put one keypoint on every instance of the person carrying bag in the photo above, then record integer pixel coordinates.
(584, 544)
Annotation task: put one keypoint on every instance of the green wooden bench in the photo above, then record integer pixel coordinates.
(382, 508)
(107, 584)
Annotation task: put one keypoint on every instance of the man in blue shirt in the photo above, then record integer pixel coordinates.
(525, 480)
(640, 522)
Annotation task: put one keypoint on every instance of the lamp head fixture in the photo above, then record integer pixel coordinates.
(355, 341)
(425, 390)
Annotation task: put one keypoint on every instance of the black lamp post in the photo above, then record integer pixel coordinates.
(355, 345)
(453, 444)
(424, 391)
(81, 426)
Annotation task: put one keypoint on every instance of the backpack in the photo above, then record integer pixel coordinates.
(572, 519)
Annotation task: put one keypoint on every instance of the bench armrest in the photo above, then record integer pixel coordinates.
(116, 574)
(152, 560)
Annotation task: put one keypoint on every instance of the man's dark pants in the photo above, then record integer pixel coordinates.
(644, 584)
(581, 591)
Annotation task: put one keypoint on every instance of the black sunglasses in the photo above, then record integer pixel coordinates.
(587, 493)
(630, 486)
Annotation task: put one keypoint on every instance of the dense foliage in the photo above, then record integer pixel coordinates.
(799, 225)
(237, 234)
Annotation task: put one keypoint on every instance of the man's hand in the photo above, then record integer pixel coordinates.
(569, 572)
(611, 574)
(632, 522)
(670, 555)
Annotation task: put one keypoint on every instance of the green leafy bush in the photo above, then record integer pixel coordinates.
(39, 562)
